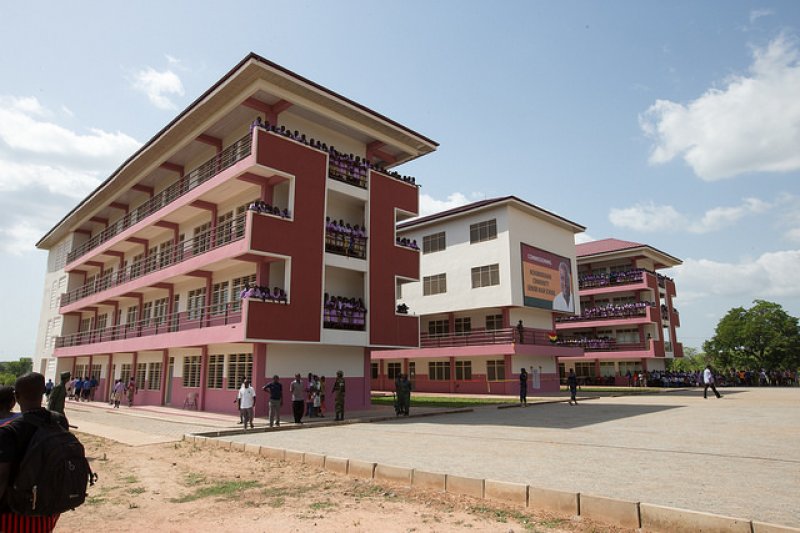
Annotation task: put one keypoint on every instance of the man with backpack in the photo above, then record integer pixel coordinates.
(43, 467)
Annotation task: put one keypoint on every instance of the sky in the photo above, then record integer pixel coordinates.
(674, 124)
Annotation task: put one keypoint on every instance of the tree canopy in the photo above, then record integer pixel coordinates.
(764, 336)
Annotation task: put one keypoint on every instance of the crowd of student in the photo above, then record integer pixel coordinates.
(276, 295)
(604, 279)
(609, 311)
(591, 343)
(408, 243)
(340, 312)
(343, 167)
(342, 238)
(260, 206)
(82, 389)
(730, 378)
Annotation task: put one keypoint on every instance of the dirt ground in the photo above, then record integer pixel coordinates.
(181, 487)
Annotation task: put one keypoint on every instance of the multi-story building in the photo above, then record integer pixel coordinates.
(146, 274)
(627, 321)
(494, 275)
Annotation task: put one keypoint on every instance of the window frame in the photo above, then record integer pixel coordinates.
(483, 231)
(435, 284)
(435, 242)
(485, 276)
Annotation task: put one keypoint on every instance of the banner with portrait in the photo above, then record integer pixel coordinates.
(547, 280)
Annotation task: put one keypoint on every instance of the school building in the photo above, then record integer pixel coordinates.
(227, 249)
(495, 276)
(627, 322)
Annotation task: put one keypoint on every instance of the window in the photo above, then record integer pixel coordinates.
(240, 368)
(433, 243)
(125, 373)
(373, 370)
(224, 228)
(628, 366)
(584, 370)
(496, 370)
(191, 371)
(607, 368)
(130, 316)
(165, 257)
(151, 260)
(216, 365)
(202, 238)
(154, 376)
(412, 369)
(160, 310)
(393, 370)
(438, 327)
(434, 284)
(102, 321)
(85, 324)
(147, 312)
(463, 325)
(80, 370)
(141, 374)
(485, 276)
(439, 371)
(494, 321)
(196, 303)
(136, 265)
(483, 231)
(219, 298)
(463, 370)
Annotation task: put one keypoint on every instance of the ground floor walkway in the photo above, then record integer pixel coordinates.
(737, 456)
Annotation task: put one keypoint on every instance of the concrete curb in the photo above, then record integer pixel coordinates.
(644, 516)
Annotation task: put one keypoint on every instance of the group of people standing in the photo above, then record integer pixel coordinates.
(308, 399)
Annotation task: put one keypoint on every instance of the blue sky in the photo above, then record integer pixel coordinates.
(675, 124)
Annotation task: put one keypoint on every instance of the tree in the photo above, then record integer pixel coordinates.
(764, 336)
(17, 368)
(692, 360)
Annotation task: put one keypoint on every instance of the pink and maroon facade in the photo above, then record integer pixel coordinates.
(628, 321)
(157, 256)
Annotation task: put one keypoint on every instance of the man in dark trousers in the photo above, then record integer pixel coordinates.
(59, 395)
(275, 390)
(708, 381)
(572, 383)
(338, 398)
(14, 438)
(298, 398)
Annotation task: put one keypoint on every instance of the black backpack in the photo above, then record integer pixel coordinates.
(53, 475)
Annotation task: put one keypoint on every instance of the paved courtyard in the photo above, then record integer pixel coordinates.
(738, 456)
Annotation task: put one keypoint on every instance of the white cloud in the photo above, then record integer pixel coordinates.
(772, 275)
(42, 163)
(158, 86)
(649, 217)
(581, 238)
(758, 13)
(752, 124)
(428, 205)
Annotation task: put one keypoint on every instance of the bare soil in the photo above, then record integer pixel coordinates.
(182, 487)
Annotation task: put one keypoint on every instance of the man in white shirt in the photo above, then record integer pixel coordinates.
(708, 380)
(563, 301)
(247, 402)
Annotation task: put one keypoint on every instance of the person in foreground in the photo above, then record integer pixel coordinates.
(15, 435)
(572, 383)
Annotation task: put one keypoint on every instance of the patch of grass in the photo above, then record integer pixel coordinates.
(193, 479)
(504, 515)
(130, 479)
(320, 506)
(291, 492)
(95, 500)
(552, 522)
(225, 489)
(277, 503)
(136, 490)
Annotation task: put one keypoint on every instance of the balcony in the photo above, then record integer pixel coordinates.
(597, 281)
(349, 245)
(604, 344)
(348, 315)
(223, 160)
(609, 312)
(479, 337)
(202, 243)
(203, 317)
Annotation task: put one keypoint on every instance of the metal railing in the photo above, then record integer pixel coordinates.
(211, 239)
(348, 245)
(202, 317)
(477, 337)
(607, 313)
(602, 345)
(223, 160)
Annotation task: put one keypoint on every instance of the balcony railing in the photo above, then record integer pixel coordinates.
(602, 345)
(211, 239)
(477, 337)
(202, 317)
(348, 245)
(593, 281)
(342, 168)
(223, 160)
(609, 312)
(345, 316)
